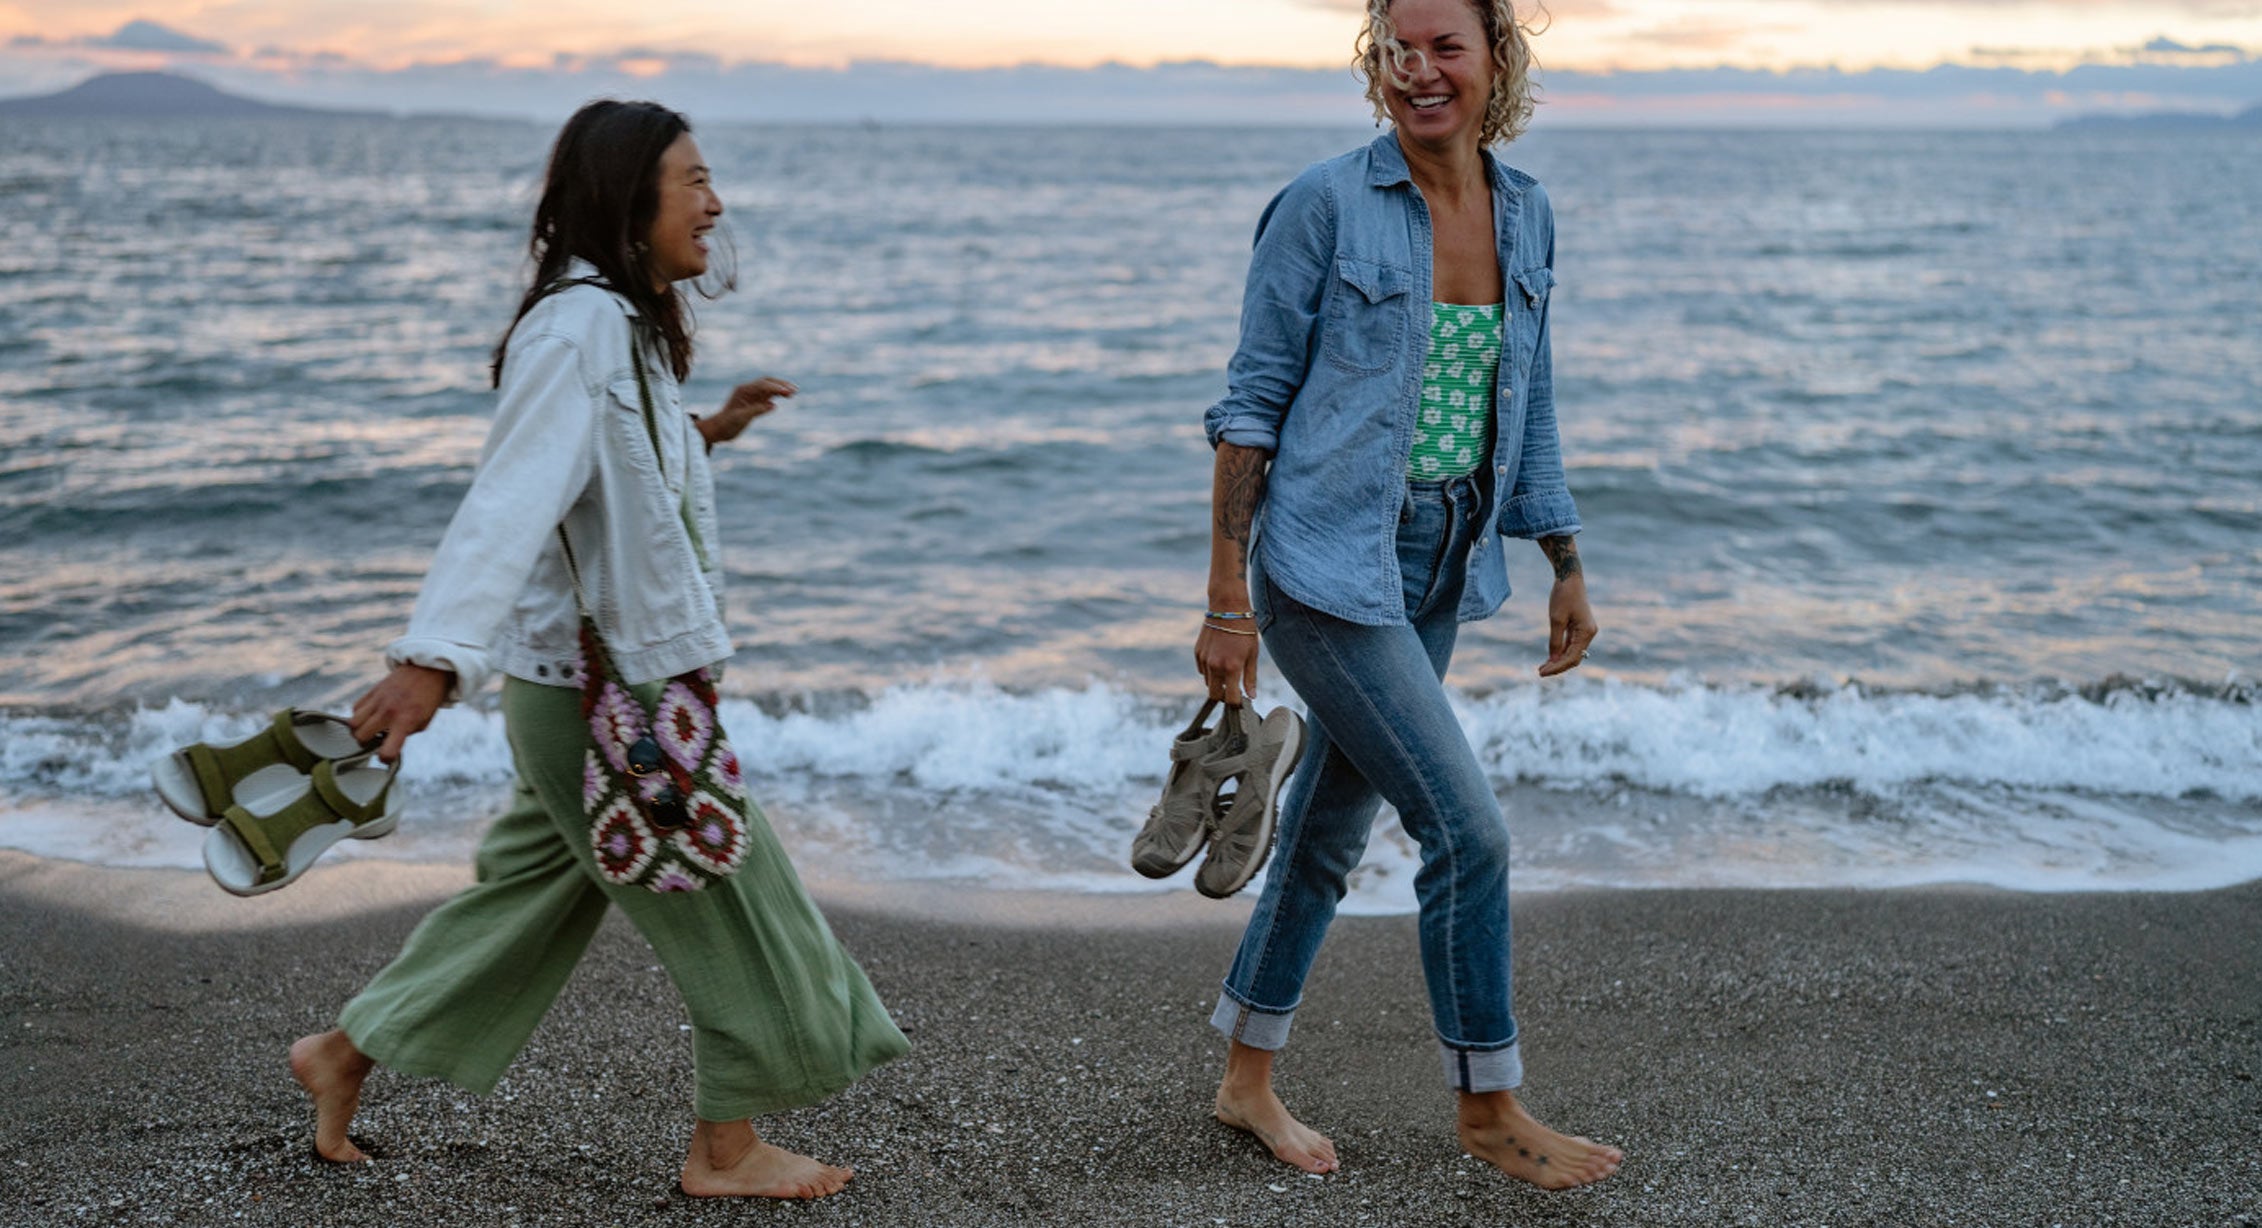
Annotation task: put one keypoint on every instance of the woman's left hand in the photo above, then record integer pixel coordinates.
(747, 402)
(1570, 625)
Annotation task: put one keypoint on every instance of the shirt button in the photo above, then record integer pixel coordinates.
(1502, 470)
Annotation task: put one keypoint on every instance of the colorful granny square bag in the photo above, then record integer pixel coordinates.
(662, 789)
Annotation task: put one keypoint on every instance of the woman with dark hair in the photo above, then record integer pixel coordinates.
(593, 493)
(1390, 420)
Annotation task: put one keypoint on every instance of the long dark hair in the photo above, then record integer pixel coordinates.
(598, 201)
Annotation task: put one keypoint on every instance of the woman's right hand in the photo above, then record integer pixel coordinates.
(401, 705)
(1228, 663)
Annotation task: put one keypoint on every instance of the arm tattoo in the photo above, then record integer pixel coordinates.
(1563, 552)
(1240, 487)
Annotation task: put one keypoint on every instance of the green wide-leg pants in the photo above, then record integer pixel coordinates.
(781, 1016)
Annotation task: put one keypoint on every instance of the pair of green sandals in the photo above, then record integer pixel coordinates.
(1223, 791)
(278, 800)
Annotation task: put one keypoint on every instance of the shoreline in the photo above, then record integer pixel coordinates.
(183, 899)
(1913, 1056)
(186, 901)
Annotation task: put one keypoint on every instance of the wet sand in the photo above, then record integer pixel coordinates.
(1909, 1058)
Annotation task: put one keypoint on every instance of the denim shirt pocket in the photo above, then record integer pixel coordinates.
(1366, 316)
(629, 402)
(1532, 286)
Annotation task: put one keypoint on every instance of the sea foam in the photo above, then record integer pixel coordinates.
(1605, 784)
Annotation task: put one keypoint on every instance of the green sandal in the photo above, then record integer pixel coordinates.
(251, 852)
(200, 782)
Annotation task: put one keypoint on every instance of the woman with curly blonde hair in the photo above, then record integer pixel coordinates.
(1390, 419)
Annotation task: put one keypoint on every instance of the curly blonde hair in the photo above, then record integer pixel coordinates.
(1383, 61)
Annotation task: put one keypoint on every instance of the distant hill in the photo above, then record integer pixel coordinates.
(2249, 120)
(152, 95)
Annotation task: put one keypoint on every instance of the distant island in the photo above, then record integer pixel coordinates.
(157, 95)
(2249, 120)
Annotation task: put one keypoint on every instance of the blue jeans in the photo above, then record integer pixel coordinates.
(1380, 728)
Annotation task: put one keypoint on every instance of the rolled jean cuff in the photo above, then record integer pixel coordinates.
(1252, 1026)
(1483, 1070)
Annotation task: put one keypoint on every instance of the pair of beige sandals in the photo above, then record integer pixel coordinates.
(1223, 791)
(281, 798)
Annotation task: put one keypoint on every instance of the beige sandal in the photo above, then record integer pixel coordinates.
(1258, 764)
(1180, 823)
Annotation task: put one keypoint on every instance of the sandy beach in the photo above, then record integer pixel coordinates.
(1823, 1058)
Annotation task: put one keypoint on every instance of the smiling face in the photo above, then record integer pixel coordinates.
(686, 211)
(1448, 77)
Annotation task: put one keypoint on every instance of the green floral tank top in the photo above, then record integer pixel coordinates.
(1453, 429)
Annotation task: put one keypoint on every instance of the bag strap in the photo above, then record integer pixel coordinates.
(573, 572)
(659, 457)
(644, 400)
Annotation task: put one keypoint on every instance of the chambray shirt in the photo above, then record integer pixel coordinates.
(1328, 375)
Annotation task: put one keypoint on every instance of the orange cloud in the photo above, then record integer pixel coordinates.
(1579, 34)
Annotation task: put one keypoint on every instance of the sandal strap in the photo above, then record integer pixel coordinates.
(324, 778)
(292, 747)
(211, 777)
(1231, 757)
(268, 838)
(218, 768)
(1200, 724)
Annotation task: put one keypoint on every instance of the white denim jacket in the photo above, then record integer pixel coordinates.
(569, 446)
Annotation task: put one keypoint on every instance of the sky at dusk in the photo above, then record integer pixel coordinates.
(1960, 62)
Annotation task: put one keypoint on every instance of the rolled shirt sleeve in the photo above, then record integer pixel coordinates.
(1541, 505)
(539, 458)
(1280, 315)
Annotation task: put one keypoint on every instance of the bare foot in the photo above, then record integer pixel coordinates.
(1497, 1130)
(331, 1070)
(729, 1160)
(1245, 1101)
(1261, 1113)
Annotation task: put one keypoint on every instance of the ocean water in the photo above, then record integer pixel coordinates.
(1920, 475)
